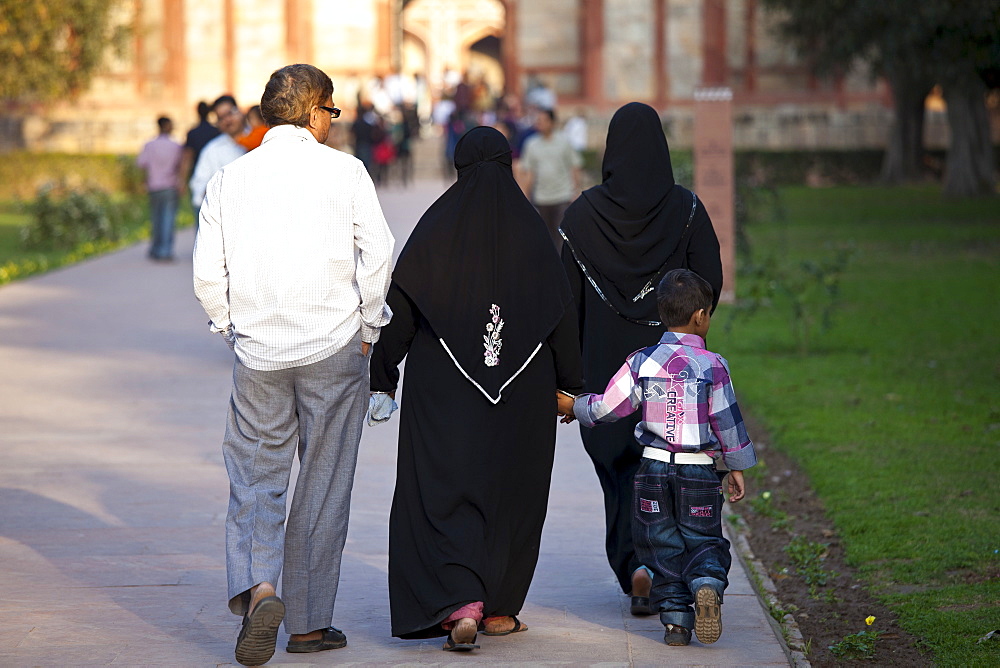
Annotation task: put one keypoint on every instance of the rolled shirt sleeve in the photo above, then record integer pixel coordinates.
(621, 398)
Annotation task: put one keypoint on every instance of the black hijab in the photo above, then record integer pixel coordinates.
(624, 231)
(481, 268)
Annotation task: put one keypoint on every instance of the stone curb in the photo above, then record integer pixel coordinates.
(787, 630)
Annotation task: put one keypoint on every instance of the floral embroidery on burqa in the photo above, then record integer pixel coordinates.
(491, 339)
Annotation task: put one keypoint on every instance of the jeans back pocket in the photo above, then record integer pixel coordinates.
(701, 507)
(650, 504)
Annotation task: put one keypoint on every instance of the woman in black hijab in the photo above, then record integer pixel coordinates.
(621, 238)
(482, 311)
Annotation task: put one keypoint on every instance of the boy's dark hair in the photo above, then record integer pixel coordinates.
(204, 110)
(163, 122)
(680, 294)
(291, 93)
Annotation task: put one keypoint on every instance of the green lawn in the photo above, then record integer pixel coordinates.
(894, 412)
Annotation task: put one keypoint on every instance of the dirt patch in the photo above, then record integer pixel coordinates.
(792, 514)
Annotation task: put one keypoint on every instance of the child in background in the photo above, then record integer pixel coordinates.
(690, 420)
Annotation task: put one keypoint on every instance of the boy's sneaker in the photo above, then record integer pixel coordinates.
(677, 636)
(707, 615)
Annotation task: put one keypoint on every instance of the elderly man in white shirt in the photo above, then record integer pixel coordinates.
(219, 152)
(292, 266)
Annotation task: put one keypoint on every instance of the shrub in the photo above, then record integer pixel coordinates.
(64, 218)
(808, 557)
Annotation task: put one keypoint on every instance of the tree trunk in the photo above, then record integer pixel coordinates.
(905, 149)
(969, 171)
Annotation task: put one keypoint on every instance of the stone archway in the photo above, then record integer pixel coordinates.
(448, 30)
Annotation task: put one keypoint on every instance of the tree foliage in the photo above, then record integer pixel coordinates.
(50, 50)
(914, 45)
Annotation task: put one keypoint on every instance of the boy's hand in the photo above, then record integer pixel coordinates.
(564, 407)
(737, 488)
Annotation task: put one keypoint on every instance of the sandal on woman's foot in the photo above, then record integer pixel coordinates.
(453, 645)
(518, 627)
(255, 644)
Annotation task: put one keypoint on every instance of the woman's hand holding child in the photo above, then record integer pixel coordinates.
(564, 407)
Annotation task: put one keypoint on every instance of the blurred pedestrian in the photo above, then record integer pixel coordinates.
(408, 128)
(383, 151)
(161, 159)
(550, 173)
(197, 138)
(540, 95)
(454, 131)
(575, 130)
(220, 151)
(363, 131)
(622, 236)
(292, 267)
(258, 128)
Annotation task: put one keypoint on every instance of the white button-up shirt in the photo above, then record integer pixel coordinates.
(293, 254)
(217, 154)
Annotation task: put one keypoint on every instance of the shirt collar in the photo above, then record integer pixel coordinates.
(288, 132)
(678, 339)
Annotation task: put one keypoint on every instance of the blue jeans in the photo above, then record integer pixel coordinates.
(162, 213)
(677, 530)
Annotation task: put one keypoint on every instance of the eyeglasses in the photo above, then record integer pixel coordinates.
(334, 112)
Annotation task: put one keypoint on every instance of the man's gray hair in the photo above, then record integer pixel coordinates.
(291, 93)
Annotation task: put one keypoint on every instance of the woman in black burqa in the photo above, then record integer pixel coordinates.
(621, 237)
(482, 312)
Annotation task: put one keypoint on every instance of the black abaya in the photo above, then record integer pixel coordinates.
(472, 478)
(620, 237)
(481, 311)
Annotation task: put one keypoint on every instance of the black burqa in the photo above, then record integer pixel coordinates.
(622, 236)
(482, 312)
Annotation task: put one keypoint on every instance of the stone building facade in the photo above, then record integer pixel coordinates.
(595, 54)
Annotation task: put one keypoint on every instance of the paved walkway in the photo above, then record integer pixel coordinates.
(113, 497)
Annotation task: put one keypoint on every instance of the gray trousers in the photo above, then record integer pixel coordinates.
(320, 408)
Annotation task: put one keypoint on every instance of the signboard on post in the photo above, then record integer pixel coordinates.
(713, 174)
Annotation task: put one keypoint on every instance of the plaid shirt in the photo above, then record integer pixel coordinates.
(687, 400)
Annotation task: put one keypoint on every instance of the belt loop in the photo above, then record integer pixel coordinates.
(673, 467)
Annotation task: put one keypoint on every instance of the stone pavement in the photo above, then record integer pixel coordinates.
(113, 497)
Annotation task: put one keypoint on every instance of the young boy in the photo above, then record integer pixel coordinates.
(689, 420)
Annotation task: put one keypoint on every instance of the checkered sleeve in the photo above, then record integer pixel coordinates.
(727, 422)
(374, 265)
(620, 399)
(211, 276)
